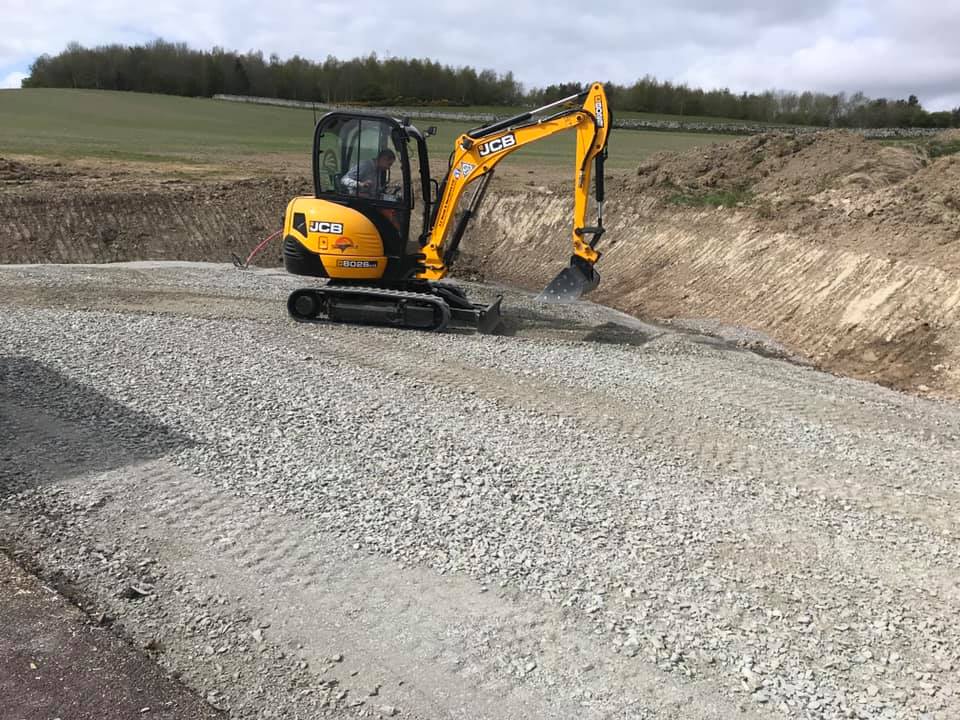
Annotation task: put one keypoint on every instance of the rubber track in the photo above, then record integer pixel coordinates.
(397, 295)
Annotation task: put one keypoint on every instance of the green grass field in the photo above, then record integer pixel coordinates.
(131, 126)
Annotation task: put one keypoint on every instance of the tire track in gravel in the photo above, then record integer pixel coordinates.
(782, 389)
(882, 557)
(792, 543)
(700, 441)
(439, 646)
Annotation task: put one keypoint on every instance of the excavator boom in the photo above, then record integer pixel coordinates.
(479, 151)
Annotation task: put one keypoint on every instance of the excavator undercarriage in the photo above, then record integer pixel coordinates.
(425, 305)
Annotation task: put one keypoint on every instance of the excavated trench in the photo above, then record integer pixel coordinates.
(830, 282)
(849, 312)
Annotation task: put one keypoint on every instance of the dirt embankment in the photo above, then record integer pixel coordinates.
(71, 213)
(846, 251)
(833, 188)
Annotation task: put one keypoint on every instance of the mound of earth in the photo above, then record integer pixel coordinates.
(785, 165)
(833, 187)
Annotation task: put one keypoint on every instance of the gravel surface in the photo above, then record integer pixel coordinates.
(585, 516)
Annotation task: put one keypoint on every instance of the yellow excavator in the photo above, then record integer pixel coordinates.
(359, 228)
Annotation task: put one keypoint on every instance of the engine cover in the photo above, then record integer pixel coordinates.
(334, 241)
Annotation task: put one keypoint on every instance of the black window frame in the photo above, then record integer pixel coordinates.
(399, 137)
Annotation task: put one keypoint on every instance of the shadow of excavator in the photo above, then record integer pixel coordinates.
(53, 428)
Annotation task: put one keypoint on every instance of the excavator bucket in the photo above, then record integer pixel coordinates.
(579, 278)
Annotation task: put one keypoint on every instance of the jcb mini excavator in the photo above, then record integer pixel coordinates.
(356, 229)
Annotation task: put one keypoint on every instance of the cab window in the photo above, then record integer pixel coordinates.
(358, 157)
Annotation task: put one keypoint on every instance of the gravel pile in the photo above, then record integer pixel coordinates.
(786, 538)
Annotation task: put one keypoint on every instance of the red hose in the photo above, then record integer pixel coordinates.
(257, 249)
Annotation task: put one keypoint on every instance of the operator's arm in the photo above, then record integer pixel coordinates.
(352, 180)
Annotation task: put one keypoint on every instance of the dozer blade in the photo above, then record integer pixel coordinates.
(489, 317)
(485, 318)
(571, 283)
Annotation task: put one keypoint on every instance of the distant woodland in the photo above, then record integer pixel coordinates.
(175, 69)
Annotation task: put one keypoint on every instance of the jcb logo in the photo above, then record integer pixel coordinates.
(326, 227)
(498, 145)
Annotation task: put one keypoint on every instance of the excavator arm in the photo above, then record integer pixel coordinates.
(479, 151)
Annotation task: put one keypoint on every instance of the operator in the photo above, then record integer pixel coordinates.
(364, 178)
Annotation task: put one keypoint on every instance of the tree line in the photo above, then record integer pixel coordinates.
(789, 108)
(176, 69)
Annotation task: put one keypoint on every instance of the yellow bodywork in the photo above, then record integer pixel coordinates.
(349, 246)
(474, 158)
(347, 242)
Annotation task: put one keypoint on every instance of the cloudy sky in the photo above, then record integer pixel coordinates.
(886, 48)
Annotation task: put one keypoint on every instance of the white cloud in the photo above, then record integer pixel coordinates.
(943, 102)
(883, 47)
(894, 50)
(12, 80)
